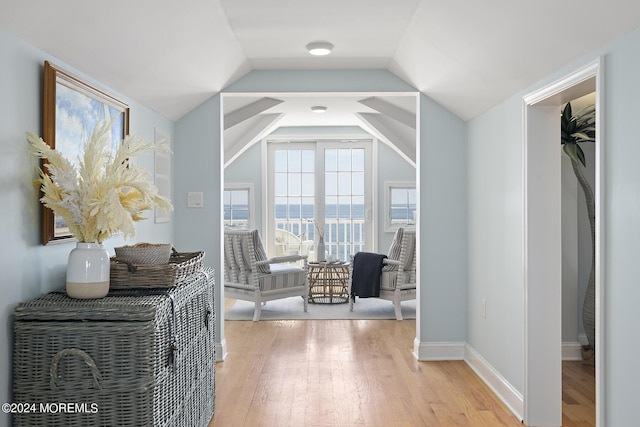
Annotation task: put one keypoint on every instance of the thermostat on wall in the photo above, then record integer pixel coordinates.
(195, 199)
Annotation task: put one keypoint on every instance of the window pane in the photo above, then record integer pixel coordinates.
(330, 160)
(412, 196)
(403, 205)
(295, 163)
(308, 161)
(344, 183)
(295, 187)
(358, 160)
(308, 184)
(331, 207)
(280, 208)
(331, 183)
(280, 184)
(344, 207)
(280, 157)
(357, 184)
(236, 208)
(308, 208)
(294, 207)
(357, 207)
(344, 159)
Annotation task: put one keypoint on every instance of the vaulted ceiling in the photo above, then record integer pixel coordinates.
(172, 55)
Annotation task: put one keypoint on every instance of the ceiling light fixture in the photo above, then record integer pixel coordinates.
(319, 48)
(318, 108)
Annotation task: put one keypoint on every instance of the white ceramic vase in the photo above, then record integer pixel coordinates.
(321, 256)
(88, 271)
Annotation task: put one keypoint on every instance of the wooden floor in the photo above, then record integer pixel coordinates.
(357, 373)
(578, 395)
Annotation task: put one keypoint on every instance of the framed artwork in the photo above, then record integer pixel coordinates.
(71, 110)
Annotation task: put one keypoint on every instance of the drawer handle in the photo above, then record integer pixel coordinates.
(73, 352)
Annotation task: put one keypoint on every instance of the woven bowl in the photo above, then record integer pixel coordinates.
(144, 253)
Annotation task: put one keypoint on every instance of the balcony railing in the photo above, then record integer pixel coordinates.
(342, 238)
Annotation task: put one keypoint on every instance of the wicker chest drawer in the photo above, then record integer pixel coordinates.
(133, 358)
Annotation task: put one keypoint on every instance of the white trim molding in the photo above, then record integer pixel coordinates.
(541, 275)
(432, 351)
(496, 382)
(571, 351)
(221, 350)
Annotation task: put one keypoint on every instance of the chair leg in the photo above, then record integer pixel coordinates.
(396, 305)
(258, 308)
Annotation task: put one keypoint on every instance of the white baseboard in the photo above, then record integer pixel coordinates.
(571, 351)
(438, 350)
(496, 382)
(221, 351)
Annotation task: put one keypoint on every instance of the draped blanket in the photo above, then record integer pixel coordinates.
(367, 268)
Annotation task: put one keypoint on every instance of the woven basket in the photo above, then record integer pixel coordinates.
(144, 253)
(144, 357)
(181, 266)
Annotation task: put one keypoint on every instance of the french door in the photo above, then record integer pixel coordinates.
(319, 188)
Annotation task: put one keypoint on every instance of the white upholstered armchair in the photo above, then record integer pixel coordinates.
(249, 275)
(398, 271)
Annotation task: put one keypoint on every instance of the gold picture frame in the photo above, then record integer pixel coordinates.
(71, 109)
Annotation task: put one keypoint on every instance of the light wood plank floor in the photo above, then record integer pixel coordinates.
(578, 395)
(359, 373)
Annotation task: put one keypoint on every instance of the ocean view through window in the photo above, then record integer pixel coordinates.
(304, 171)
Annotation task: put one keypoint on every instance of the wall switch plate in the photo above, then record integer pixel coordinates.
(195, 199)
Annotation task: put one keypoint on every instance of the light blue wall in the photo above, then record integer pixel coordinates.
(495, 229)
(442, 225)
(622, 228)
(197, 158)
(29, 269)
(495, 224)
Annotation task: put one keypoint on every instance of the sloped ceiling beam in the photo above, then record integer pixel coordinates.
(399, 137)
(240, 138)
(384, 107)
(241, 114)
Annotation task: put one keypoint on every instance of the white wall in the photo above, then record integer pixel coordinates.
(495, 229)
(29, 269)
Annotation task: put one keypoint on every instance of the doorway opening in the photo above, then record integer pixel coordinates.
(346, 210)
(542, 240)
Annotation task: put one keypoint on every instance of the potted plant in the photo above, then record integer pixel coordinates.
(576, 129)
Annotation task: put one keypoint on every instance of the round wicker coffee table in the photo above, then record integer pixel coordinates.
(328, 283)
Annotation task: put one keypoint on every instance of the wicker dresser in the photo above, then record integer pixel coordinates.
(134, 358)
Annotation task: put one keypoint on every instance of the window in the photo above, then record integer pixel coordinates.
(344, 201)
(238, 206)
(319, 184)
(293, 198)
(399, 205)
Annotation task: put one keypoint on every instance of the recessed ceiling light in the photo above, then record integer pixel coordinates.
(319, 48)
(318, 108)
